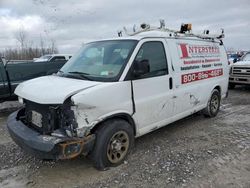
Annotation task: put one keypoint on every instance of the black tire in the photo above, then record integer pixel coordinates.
(213, 105)
(231, 86)
(109, 143)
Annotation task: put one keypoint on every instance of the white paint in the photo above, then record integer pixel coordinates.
(97, 103)
(153, 98)
(51, 89)
(242, 63)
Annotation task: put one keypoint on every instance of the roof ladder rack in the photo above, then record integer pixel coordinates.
(184, 31)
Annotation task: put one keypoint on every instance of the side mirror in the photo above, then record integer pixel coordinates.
(141, 68)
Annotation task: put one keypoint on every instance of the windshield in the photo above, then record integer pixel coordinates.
(100, 61)
(246, 57)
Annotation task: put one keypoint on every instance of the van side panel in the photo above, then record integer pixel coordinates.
(199, 66)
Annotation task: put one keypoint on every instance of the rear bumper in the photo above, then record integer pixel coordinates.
(46, 146)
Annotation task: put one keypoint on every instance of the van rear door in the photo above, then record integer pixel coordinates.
(153, 94)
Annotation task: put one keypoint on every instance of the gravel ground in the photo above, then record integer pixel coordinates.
(193, 152)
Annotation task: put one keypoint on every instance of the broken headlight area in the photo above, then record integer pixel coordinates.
(57, 120)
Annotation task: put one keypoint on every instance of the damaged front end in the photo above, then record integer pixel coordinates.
(49, 131)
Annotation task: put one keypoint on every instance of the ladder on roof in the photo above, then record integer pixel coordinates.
(184, 31)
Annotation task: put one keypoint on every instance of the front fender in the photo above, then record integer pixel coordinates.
(88, 118)
(94, 105)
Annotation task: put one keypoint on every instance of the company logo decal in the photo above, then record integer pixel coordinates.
(197, 51)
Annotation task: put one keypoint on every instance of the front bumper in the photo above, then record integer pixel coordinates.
(46, 146)
(239, 79)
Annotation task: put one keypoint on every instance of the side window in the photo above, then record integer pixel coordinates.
(154, 53)
(58, 58)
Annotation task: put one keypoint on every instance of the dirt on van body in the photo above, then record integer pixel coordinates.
(193, 152)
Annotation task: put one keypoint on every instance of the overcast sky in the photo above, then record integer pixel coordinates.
(73, 22)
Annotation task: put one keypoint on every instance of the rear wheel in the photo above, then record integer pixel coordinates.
(213, 105)
(114, 139)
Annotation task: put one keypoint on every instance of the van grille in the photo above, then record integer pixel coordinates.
(241, 71)
(47, 120)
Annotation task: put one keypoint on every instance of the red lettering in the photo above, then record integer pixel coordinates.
(196, 76)
(184, 51)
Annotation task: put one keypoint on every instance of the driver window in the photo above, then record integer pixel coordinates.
(154, 52)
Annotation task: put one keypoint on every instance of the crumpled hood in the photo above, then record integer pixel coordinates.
(242, 63)
(52, 89)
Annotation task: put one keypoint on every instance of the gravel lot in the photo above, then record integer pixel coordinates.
(193, 152)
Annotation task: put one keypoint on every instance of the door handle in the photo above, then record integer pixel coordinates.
(170, 83)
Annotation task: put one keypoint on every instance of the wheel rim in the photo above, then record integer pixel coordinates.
(214, 103)
(118, 147)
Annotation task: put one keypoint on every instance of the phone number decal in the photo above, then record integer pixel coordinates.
(191, 77)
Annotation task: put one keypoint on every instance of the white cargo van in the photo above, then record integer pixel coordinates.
(115, 90)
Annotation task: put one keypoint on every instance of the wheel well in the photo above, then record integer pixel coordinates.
(218, 88)
(124, 116)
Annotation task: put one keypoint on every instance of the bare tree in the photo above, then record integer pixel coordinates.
(53, 47)
(42, 44)
(27, 50)
(21, 37)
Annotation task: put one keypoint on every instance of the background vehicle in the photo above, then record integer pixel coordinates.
(233, 58)
(53, 57)
(240, 72)
(14, 72)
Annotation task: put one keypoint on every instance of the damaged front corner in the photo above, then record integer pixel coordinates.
(87, 117)
(86, 130)
(84, 123)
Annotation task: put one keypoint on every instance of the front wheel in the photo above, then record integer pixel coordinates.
(114, 139)
(213, 105)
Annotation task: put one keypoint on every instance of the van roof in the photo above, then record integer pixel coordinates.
(159, 34)
(185, 32)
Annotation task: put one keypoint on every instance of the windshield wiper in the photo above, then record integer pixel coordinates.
(80, 74)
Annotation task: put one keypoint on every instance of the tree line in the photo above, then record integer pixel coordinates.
(26, 49)
(26, 53)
